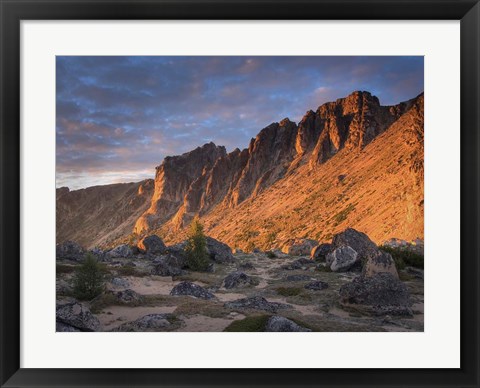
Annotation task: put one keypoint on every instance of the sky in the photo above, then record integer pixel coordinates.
(118, 117)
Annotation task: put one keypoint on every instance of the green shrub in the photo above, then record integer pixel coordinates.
(252, 323)
(404, 257)
(271, 255)
(196, 248)
(89, 279)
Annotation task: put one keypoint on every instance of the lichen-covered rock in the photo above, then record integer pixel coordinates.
(281, 324)
(150, 322)
(299, 246)
(121, 251)
(219, 252)
(78, 316)
(320, 252)
(152, 245)
(168, 265)
(237, 280)
(379, 262)
(256, 303)
(316, 285)
(356, 240)
(128, 297)
(191, 289)
(70, 250)
(342, 259)
(120, 283)
(377, 295)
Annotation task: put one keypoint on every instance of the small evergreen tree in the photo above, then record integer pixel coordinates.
(196, 248)
(89, 279)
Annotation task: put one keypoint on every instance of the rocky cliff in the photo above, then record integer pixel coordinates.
(351, 162)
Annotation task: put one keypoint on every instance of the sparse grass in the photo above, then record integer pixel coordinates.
(289, 291)
(249, 324)
(342, 216)
(404, 257)
(189, 306)
(322, 268)
(65, 268)
(126, 270)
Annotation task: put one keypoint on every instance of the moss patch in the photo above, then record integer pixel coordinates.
(249, 324)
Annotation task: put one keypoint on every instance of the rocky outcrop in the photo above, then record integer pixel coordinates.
(219, 252)
(127, 297)
(237, 280)
(70, 250)
(320, 252)
(121, 251)
(151, 322)
(77, 316)
(358, 241)
(342, 259)
(282, 324)
(256, 303)
(380, 294)
(152, 245)
(299, 246)
(378, 263)
(191, 289)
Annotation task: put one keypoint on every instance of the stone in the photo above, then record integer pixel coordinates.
(256, 303)
(320, 252)
(379, 262)
(342, 259)
(191, 289)
(99, 254)
(237, 280)
(380, 294)
(152, 245)
(168, 265)
(78, 316)
(316, 285)
(246, 266)
(120, 283)
(150, 322)
(299, 246)
(281, 324)
(62, 287)
(127, 297)
(70, 250)
(297, 278)
(121, 251)
(356, 240)
(219, 252)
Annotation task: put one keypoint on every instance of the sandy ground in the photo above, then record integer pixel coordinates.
(201, 323)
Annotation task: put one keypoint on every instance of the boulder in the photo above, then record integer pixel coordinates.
(356, 240)
(342, 259)
(380, 294)
(316, 285)
(191, 289)
(297, 278)
(152, 245)
(178, 250)
(320, 252)
(299, 246)
(62, 287)
(121, 251)
(379, 262)
(168, 265)
(70, 250)
(237, 280)
(120, 283)
(99, 254)
(281, 324)
(219, 252)
(256, 303)
(78, 316)
(127, 297)
(150, 322)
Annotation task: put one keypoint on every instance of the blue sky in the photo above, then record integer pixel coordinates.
(118, 117)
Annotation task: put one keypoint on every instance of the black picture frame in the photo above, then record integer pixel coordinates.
(13, 11)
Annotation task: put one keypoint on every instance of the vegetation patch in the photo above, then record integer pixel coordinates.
(289, 291)
(249, 324)
(65, 268)
(404, 257)
(192, 306)
(342, 216)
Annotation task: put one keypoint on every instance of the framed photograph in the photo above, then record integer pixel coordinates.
(240, 194)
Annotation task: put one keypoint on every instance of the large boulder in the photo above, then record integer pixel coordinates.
(299, 246)
(281, 324)
(120, 251)
(377, 295)
(150, 322)
(127, 297)
(178, 250)
(356, 240)
(70, 250)
(256, 303)
(320, 252)
(342, 259)
(152, 245)
(191, 289)
(168, 265)
(78, 316)
(379, 262)
(237, 279)
(219, 252)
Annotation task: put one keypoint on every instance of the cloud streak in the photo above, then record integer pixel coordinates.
(120, 116)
